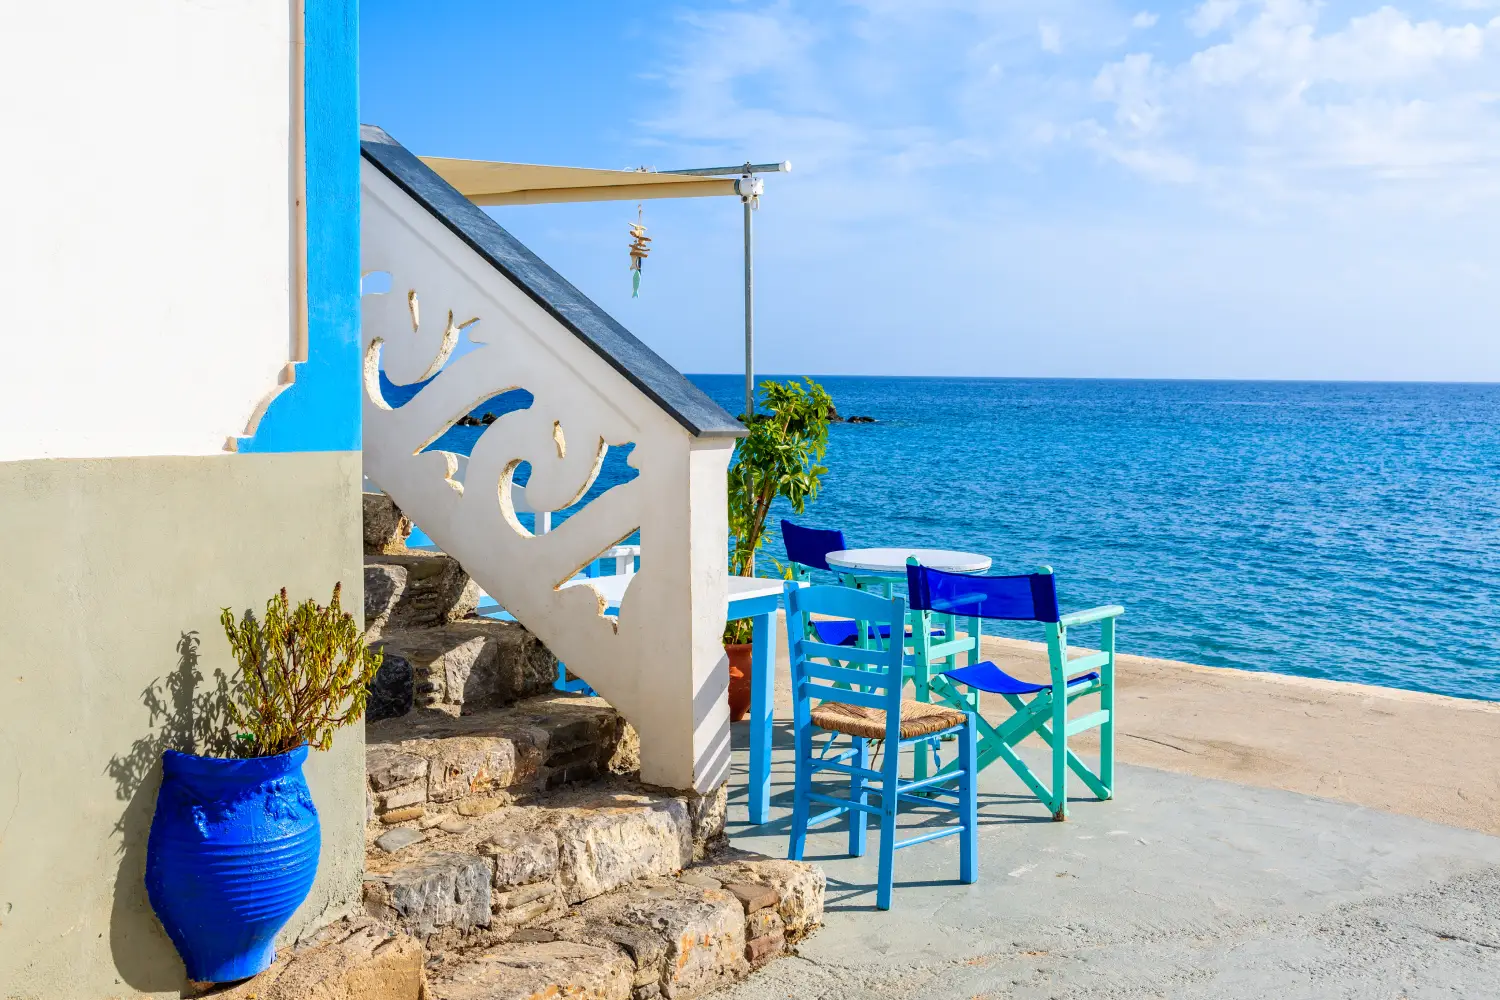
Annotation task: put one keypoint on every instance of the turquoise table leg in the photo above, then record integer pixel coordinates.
(762, 708)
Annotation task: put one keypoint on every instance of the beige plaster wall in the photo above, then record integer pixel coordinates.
(108, 565)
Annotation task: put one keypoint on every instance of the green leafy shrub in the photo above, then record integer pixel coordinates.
(303, 673)
(780, 457)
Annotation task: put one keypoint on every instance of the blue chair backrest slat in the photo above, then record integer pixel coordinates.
(874, 656)
(1013, 598)
(810, 546)
(878, 684)
(842, 602)
(868, 679)
(849, 696)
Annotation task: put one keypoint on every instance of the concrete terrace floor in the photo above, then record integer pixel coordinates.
(1181, 887)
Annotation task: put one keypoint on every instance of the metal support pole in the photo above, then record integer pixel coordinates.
(749, 188)
(749, 316)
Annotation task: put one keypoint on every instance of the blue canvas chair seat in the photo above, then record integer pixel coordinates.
(1037, 709)
(987, 677)
(858, 691)
(842, 633)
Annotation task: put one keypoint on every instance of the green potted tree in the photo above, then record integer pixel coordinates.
(234, 842)
(780, 458)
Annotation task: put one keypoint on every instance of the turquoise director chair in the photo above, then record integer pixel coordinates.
(865, 703)
(1037, 708)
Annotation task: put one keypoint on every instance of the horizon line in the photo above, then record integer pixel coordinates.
(1107, 378)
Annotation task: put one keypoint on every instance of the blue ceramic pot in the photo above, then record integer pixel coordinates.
(233, 851)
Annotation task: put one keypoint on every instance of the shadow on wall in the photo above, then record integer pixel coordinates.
(186, 715)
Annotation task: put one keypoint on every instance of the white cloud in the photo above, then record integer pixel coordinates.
(1145, 19)
(1282, 109)
(1251, 200)
(1051, 37)
(1211, 15)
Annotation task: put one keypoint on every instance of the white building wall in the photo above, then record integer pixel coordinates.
(146, 247)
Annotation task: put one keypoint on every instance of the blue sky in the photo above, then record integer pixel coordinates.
(1220, 189)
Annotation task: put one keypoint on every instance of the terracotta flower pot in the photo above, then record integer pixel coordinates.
(739, 679)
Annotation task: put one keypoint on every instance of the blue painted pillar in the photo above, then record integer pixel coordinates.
(320, 410)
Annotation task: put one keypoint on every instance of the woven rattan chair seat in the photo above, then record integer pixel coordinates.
(917, 719)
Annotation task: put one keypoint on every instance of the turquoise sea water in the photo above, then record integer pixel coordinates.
(1340, 530)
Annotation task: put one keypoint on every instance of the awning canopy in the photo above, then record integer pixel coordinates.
(487, 182)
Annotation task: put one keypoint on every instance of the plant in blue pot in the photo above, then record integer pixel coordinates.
(234, 842)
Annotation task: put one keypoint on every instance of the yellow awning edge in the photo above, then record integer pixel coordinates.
(490, 182)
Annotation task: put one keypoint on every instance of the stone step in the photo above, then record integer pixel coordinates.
(459, 667)
(428, 766)
(385, 527)
(416, 590)
(353, 957)
(482, 877)
(661, 936)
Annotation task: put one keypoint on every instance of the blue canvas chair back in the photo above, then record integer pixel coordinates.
(808, 548)
(1029, 598)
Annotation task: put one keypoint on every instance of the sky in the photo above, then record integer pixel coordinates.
(1221, 189)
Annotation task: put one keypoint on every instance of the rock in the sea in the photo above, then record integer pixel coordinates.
(833, 415)
(861, 420)
(391, 690)
(385, 527)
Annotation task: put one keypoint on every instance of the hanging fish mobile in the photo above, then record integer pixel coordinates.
(639, 250)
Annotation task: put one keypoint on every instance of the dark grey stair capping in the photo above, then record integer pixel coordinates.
(645, 369)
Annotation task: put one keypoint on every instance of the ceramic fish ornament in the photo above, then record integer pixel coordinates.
(639, 250)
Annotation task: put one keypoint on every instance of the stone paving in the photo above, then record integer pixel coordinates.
(1182, 887)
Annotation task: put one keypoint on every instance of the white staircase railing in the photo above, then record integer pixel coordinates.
(660, 660)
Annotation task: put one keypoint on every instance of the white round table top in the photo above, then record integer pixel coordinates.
(892, 562)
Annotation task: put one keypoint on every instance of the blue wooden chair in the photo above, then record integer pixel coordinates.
(1037, 708)
(865, 704)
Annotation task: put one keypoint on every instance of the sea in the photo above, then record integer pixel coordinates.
(1339, 530)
